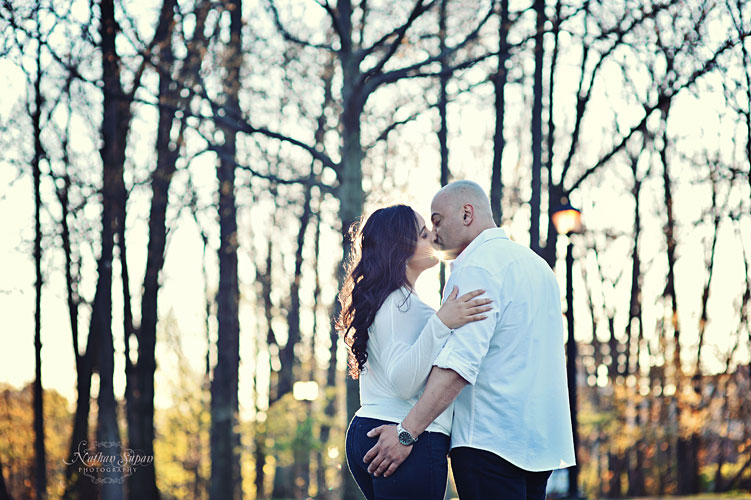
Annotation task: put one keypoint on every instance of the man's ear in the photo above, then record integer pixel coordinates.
(468, 214)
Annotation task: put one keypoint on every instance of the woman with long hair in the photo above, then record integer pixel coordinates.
(392, 339)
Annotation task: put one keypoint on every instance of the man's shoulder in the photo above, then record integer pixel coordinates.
(500, 256)
(498, 251)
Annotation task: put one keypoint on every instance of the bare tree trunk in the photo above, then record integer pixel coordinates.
(325, 429)
(40, 460)
(226, 477)
(4, 495)
(290, 362)
(670, 224)
(688, 476)
(107, 429)
(115, 114)
(73, 314)
(140, 377)
(555, 191)
(75, 486)
(615, 465)
(746, 114)
(719, 482)
(534, 202)
(443, 95)
(745, 306)
(636, 484)
(99, 350)
(329, 395)
(442, 113)
(351, 195)
(686, 468)
(259, 452)
(265, 279)
(499, 86)
(710, 260)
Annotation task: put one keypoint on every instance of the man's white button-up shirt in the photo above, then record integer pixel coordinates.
(516, 403)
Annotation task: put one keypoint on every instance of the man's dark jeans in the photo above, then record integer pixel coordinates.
(421, 477)
(482, 475)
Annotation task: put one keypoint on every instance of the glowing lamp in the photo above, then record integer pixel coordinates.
(567, 219)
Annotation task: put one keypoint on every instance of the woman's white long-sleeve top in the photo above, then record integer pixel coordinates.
(403, 341)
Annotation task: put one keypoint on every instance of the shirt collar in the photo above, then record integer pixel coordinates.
(487, 235)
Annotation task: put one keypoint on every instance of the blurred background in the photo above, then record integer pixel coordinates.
(177, 182)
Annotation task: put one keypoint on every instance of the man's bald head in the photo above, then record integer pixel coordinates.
(463, 192)
(459, 212)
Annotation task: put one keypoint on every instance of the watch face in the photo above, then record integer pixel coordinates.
(405, 438)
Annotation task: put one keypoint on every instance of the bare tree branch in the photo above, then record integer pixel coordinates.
(584, 94)
(393, 126)
(271, 5)
(663, 100)
(391, 76)
(399, 33)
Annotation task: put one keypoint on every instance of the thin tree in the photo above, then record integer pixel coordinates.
(264, 279)
(443, 81)
(76, 487)
(226, 479)
(4, 495)
(139, 392)
(40, 465)
(669, 296)
(115, 114)
(636, 482)
(325, 428)
(499, 87)
(537, 91)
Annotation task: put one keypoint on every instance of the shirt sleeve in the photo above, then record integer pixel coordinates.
(465, 350)
(408, 364)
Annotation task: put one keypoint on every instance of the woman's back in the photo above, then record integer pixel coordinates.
(403, 342)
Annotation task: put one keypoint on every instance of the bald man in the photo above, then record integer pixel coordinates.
(506, 374)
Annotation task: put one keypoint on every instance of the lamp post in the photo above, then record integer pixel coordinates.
(567, 221)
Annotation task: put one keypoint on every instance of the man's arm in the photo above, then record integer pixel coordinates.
(442, 387)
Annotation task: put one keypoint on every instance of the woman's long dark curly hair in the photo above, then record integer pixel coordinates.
(377, 265)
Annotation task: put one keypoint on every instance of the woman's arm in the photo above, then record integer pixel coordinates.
(408, 365)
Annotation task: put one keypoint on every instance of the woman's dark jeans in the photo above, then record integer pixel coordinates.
(421, 477)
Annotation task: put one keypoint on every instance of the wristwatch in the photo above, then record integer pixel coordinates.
(404, 436)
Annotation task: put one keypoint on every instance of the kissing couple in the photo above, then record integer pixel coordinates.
(482, 380)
